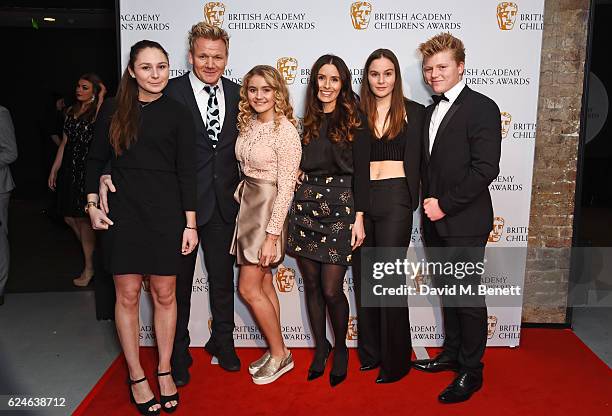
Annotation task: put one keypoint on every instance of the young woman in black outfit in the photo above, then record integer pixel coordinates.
(149, 140)
(326, 219)
(393, 130)
(67, 174)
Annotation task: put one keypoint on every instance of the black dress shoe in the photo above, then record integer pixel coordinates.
(317, 368)
(382, 379)
(368, 367)
(435, 365)
(339, 369)
(181, 376)
(228, 360)
(461, 389)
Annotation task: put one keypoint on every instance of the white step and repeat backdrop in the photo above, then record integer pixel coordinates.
(503, 42)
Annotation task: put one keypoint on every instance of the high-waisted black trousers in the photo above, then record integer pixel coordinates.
(384, 332)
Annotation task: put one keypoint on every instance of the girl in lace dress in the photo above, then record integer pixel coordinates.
(269, 151)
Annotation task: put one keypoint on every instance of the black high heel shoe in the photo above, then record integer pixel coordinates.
(335, 378)
(143, 408)
(166, 399)
(313, 373)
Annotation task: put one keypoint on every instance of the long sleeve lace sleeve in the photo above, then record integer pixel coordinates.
(288, 150)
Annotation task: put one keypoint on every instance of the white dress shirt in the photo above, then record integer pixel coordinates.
(440, 111)
(201, 97)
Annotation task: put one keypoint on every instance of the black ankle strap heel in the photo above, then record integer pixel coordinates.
(143, 408)
(166, 399)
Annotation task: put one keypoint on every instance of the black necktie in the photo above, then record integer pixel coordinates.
(437, 98)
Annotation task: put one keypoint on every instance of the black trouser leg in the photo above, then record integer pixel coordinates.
(386, 331)
(465, 317)
(392, 217)
(184, 283)
(368, 318)
(216, 238)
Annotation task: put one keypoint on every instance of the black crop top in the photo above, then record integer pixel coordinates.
(384, 149)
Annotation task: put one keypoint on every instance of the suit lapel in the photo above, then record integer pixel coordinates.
(230, 109)
(189, 99)
(428, 113)
(447, 117)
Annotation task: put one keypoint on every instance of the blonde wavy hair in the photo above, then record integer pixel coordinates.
(282, 106)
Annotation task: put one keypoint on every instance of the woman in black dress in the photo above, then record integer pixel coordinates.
(393, 130)
(149, 140)
(326, 220)
(68, 170)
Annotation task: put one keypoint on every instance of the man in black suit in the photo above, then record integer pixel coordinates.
(462, 146)
(213, 101)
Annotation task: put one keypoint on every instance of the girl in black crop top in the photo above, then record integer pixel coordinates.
(326, 219)
(393, 130)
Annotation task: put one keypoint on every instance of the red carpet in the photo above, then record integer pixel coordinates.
(552, 373)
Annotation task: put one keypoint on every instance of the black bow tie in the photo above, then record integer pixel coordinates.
(437, 98)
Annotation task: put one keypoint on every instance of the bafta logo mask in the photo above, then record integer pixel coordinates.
(360, 14)
(506, 15)
(287, 66)
(498, 229)
(285, 279)
(213, 13)
(506, 119)
(352, 332)
(491, 325)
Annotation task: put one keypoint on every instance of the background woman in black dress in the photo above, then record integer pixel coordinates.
(326, 220)
(68, 170)
(393, 132)
(149, 140)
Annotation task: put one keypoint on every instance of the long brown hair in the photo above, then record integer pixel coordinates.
(90, 113)
(395, 118)
(282, 105)
(345, 117)
(125, 120)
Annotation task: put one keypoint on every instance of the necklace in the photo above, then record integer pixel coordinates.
(143, 104)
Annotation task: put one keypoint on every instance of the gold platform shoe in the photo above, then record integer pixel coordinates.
(256, 365)
(273, 369)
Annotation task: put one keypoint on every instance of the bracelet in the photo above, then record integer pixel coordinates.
(190, 228)
(89, 205)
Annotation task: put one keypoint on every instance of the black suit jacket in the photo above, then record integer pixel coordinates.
(217, 168)
(464, 161)
(412, 152)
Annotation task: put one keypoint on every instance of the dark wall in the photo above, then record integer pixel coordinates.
(37, 64)
(597, 171)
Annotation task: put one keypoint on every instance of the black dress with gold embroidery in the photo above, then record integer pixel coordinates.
(324, 206)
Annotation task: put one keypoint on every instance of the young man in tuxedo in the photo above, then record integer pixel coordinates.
(213, 101)
(462, 146)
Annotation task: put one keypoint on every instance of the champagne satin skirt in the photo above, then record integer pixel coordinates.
(256, 198)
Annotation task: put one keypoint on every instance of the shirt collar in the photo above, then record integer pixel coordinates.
(454, 92)
(197, 85)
